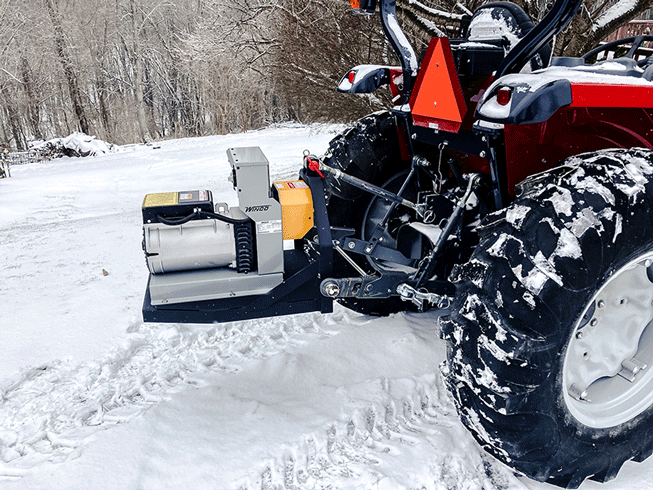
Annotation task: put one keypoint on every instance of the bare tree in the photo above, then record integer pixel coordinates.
(235, 49)
(321, 41)
(134, 70)
(596, 20)
(67, 65)
(135, 18)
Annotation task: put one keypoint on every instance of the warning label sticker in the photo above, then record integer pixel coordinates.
(297, 185)
(194, 196)
(160, 199)
(272, 226)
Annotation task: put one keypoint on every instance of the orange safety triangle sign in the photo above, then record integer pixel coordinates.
(437, 100)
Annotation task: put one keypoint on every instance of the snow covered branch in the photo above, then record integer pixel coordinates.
(598, 20)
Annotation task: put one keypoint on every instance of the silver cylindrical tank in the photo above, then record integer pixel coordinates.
(198, 244)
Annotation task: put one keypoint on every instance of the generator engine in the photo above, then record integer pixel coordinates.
(197, 250)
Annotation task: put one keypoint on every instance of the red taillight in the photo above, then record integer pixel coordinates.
(396, 82)
(503, 95)
(363, 6)
(351, 76)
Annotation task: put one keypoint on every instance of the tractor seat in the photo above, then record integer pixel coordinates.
(508, 22)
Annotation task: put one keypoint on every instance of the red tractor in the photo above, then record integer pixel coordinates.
(511, 187)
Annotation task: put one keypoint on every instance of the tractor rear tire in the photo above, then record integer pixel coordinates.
(553, 312)
(370, 150)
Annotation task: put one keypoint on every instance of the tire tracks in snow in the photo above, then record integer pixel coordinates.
(368, 449)
(47, 413)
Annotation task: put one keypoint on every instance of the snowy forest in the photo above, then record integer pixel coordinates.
(139, 70)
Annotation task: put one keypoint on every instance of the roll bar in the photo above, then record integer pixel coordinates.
(400, 45)
(553, 23)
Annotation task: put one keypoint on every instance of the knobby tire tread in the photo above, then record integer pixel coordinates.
(518, 300)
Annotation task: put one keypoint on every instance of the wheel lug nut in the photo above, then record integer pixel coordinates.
(594, 322)
(577, 393)
(623, 301)
(579, 335)
(601, 303)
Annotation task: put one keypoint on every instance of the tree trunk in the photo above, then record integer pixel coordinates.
(4, 140)
(67, 65)
(32, 100)
(138, 76)
(11, 115)
(105, 117)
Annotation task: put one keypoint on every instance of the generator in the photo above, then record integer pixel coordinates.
(212, 262)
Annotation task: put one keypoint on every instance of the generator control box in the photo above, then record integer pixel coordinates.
(175, 204)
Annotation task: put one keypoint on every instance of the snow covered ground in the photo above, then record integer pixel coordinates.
(93, 398)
